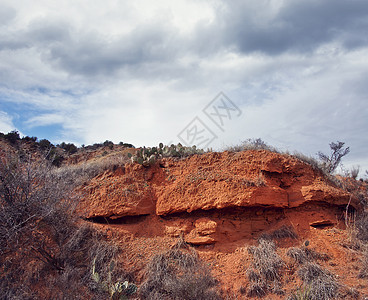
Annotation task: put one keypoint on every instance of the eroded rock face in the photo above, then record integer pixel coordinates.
(204, 232)
(119, 193)
(243, 179)
(212, 181)
(220, 202)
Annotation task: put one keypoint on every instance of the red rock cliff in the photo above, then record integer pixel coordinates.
(218, 197)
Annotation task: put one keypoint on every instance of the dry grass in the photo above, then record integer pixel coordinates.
(321, 283)
(264, 272)
(259, 144)
(265, 260)
(178, 274)
(361, 227)
(318, 283)
(282, 233)
(357, 223)
(257, 289)
(80, 173)
(364, 266)
(314, 163)
(251, 144)
(304, 255)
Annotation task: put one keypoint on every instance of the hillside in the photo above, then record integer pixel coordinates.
(221, 203)
(263, 224)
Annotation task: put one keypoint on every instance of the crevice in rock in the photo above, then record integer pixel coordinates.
(117, 220)
(322, 224)
(227, 211)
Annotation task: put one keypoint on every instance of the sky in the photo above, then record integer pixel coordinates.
(210, 73)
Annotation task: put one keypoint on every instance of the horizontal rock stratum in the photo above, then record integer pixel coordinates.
(212, 181)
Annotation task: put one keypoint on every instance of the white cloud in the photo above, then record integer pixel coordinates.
(6, 123)
(141, 71)
(45, 119)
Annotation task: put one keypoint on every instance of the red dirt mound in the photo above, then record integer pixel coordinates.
(219, 203)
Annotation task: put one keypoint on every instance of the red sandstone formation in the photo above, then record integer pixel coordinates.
(219, 197)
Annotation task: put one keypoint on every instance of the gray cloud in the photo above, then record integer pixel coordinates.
(91, 53)
(44, 32)
(155, 48)
(296, 26)
(296, 68)
(7, 14)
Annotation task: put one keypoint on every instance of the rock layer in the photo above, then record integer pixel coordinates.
(259, 187)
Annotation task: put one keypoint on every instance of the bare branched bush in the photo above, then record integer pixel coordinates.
(318, 166)
(332, 161)
(178, 274)
(45, 250)
(354, 172)
(264, 272)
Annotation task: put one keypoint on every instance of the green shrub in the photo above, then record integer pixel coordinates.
(12, 137)
(302, 293)
(109, 144)
(70, 148)
(45, 145)
(127, 145)
(32, 139)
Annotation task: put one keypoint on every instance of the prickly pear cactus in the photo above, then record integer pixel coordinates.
(147, 156)
(117, 290)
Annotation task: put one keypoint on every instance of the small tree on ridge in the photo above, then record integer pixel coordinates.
(330, 163)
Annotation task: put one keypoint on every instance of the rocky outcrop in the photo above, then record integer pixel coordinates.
(116, 194)
(258, 187)
(221, 203)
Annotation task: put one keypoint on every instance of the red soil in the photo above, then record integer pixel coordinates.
(221, 203)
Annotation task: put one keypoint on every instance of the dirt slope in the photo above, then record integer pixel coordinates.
(220, 203)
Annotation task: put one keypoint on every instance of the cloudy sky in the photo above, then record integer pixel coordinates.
(294, 73)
